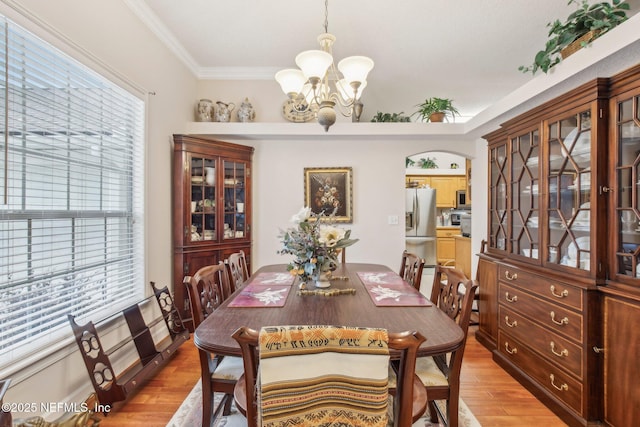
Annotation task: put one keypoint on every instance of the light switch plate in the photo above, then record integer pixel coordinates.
(393, 220)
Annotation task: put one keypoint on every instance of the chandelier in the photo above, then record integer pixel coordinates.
(309, 90)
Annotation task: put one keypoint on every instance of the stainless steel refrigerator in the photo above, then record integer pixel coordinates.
(420, 236)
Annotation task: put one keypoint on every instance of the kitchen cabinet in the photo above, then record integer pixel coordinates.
(445, 186)
(211, 207)
(446, 245)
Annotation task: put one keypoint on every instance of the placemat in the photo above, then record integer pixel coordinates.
(389, 289)
(260, 295)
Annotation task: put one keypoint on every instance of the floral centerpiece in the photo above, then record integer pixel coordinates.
(316, 243)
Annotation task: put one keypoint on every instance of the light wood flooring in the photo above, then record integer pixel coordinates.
(494, 397)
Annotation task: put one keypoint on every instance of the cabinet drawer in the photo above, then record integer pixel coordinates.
(552, 316)
(543, 286)
(548, 376)
(447, 232)
(559, 351)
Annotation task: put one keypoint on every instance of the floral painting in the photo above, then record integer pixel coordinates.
(329, 190)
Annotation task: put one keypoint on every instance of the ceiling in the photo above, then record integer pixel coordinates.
(466, 50)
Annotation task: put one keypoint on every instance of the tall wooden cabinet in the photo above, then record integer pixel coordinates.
(211, 206)
(621, 309)
(544, 248)
(560, 279)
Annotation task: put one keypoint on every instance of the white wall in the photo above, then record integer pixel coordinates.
(378, 190)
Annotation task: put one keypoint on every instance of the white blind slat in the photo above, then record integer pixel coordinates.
(71, 228)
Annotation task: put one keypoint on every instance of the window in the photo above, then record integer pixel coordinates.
(71, 196)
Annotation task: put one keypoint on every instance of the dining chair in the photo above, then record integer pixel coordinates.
(238, 269)
(452, 293)
(411, 269)
(219, 374)
(327, 375)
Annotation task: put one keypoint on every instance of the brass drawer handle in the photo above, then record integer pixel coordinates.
(563, 387)
(511, 325)
(563, 294)
(563, 321)
(509, 276)
(564, 352)
(510, 350)
(510, 298)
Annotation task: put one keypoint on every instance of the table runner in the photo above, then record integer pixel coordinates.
(389, 289)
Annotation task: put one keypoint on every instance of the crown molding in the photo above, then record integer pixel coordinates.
(151, 20)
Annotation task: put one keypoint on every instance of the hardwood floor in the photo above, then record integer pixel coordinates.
(494, 397)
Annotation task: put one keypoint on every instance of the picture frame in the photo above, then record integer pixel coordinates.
(328, 188)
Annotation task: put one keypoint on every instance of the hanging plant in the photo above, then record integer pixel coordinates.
(588, 21)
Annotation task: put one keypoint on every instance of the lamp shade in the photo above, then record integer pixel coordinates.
(355, 68)
(291, 80)
(314, 63)
(346, 91)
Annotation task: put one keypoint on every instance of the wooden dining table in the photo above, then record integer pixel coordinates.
(356, 308)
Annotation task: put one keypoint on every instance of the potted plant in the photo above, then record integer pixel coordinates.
(436, 109)
(584, 25)
(390, 117)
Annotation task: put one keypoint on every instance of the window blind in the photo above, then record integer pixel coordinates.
(71, 208)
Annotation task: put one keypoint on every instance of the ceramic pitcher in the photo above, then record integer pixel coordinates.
(223, 112)
(204, 110)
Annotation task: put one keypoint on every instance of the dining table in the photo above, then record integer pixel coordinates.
(360, 295)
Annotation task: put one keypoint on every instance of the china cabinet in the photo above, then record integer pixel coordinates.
(211, 206)
(621, 308)
(543, 318)
(560, 279)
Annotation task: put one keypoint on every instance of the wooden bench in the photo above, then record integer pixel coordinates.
(110, 388)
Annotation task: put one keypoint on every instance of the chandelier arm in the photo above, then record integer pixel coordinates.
(345, 108)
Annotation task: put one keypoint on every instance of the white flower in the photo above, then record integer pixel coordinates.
(302, 215)
(330, 235)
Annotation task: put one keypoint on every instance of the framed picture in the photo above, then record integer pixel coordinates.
(326, 189)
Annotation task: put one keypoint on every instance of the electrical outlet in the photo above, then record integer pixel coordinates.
(393, 220)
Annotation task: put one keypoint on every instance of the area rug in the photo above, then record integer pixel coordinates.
(189, 414)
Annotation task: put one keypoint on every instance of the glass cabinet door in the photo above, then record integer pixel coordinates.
(525, 178)
(627, 174)
(235, 175)
(569, 191)
(203, 200)
(498, 171)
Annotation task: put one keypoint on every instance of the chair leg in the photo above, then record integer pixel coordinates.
(433, 412)
(452, 412)
(228, 399)
(207, 406)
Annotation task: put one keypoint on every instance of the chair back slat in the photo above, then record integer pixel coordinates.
(207, 289)
(238, 270)
(411, 269)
